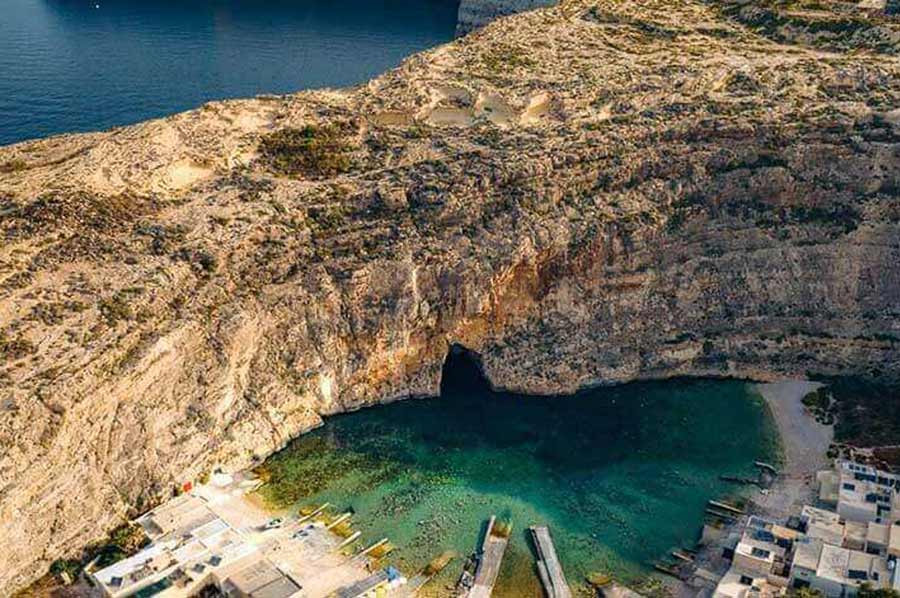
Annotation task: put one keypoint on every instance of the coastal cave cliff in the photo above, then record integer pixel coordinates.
(584, 194)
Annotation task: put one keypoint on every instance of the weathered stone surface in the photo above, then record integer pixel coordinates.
(478, 13)
(585, 194)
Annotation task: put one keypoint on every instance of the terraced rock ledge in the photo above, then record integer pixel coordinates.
(591, 193)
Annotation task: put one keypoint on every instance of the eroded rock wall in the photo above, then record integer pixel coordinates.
(592, 195)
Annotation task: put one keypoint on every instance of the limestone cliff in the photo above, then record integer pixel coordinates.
(478, 13)
(590, 193)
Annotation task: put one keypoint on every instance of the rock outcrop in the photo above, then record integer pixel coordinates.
(591, 193)
(478, 13)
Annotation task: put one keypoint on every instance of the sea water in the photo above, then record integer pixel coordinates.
(84, 65)
(620, 474)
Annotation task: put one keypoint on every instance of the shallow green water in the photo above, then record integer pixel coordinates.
(620, 474)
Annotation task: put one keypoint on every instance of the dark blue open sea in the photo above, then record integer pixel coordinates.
(83, 65)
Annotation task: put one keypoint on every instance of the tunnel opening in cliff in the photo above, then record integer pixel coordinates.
(463, 373)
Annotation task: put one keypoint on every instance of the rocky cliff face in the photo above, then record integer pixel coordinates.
(478, 13)
(591, 193)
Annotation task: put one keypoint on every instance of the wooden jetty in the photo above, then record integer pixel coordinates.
(492, 550)
(382, 544)
(726, 517)
(338, 521)
(726, 507)
(313, 513)
(549, 568)
(740, 480)
(667, 569)
(350, 540)
(415, 584)
(765, 466)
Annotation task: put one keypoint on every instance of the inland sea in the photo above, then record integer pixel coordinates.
(620, 474)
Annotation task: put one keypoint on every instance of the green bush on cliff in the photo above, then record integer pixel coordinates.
(311, 151)
(867, 591)
(125, 540)
(16, 165)
(15, 348)
(115, 308)
(865, 411)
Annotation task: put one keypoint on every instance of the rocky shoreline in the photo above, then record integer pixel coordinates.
(584, 194)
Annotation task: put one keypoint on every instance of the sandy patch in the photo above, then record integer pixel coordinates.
(251, 121)
(242, 158)
(605, 112)
(166, 139)
(393, 118)
(456, 117)
(183, 174)
(493, 107)
(538, 107)
(804, 440)
(441, 93)
(105, 180)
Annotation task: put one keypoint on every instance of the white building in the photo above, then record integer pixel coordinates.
(740, 585)
(213, 536)
(836, 571)
(860, 493)
(179, 564)
(758, 560)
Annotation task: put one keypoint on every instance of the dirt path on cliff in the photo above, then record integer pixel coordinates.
(805, 443)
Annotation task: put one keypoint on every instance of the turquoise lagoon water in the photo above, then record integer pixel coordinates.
(83, 65)
(620, 474)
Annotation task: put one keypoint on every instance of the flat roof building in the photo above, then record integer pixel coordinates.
(756, 556)
(831, 528)
(735, 584)
(758, 562)
(192, 547)
(824, 525)
(835, 571)
(893, 548)
(860, 493)
(261, 579)
(214, 536)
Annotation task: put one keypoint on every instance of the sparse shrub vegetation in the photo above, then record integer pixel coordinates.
(53, 312)
(866, 412)
(115, 308)
(199, 417)
(123, 541)
(162, 237)
(16, 165)
(818, 403)
(15, 348)
(62, 568)
(804, 593)
(867, 591)
(328, 217)
(503, 56)
(416, 132)
(312, 151)
(202, 261)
